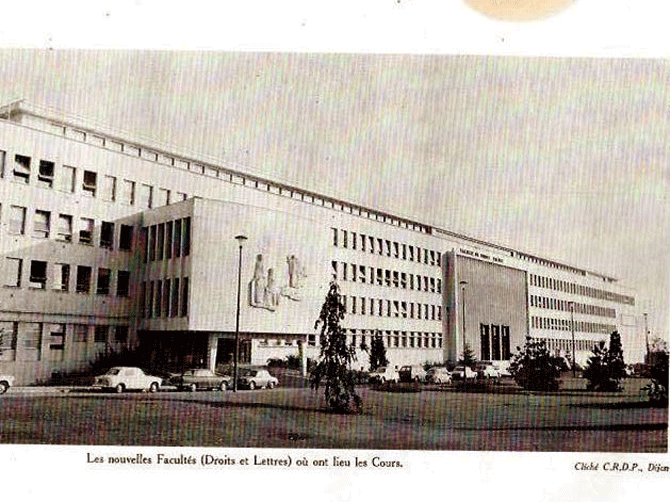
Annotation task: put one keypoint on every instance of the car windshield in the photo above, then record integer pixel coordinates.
(113, 371)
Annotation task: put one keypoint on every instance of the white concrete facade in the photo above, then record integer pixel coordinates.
(75, 195)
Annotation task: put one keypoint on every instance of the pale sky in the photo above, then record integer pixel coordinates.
(565, 158)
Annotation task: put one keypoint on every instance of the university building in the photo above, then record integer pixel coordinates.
(108, 242)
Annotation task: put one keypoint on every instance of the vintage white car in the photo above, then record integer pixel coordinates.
(6, 381)
(122, 378)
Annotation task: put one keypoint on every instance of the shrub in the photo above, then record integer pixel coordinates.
(534, 368)
(606, 368)
(377, 352)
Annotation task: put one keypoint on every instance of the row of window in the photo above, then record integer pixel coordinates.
(381, 277)
(580, 308)
(30, 338)
(166, 240)
(405, 339)
(38, 277)
(68, 179)
(494, 342)
(577, 289)
(564, 325)
(384, 247)
(391, 308)
(165, 297)
(43, 228)
(557, 345)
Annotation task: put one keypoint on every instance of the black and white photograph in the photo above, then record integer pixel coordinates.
(336, 260)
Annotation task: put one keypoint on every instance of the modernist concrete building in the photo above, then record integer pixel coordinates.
(109, 242)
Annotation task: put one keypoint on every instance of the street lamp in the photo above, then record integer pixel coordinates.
(240, 240)
(572, 330)
(463, 284)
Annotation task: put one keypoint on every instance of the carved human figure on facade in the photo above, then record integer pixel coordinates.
(271, 297)
(258, 284)
(296, 274)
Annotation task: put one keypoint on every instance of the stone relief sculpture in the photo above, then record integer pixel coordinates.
(263, 289)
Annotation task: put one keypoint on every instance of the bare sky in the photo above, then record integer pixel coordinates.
(565, 158)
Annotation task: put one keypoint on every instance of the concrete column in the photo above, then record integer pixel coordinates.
(212, 345)
(303, 357)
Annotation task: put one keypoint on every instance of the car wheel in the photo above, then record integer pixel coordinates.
(223, 386)
(252, 385)
(153, 387)
(193, 387)
(3, 387)
(271, 385)
(120, 388)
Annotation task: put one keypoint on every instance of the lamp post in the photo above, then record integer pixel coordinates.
(646, 339)
(463, 284)
(240, 240)
(572, 330)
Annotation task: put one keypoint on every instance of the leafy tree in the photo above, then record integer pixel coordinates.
(377, 352)
(534, 368)
(335, 357)
(657, 389)
(606, 368)
(468, 357)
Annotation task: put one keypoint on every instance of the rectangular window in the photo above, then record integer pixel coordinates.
(506, 349)
(8, 330)
(166, 298)
(163, 196)
(485, 342)
(45, 176)
(41, 224)
(168, 239)
(32, 341)
(21, 168)
(495, 342)
(90, 183)
(123, 283)
(146, 195)
(128, 192)
(176, 243)
(152, 242)
(13, 268)
(104, 281)
(3, 156)
(126, 237)
(64, 228)
(160, 241)
(121, 334)
(107, 235)
(187, 237)
(174, 308)
(100, 334)
(83, 279)
(38, 274)
(158, 304)
(61, 277)
(184, 297)
(85, 231)
(17, 220)
(109, 188)
(149, 307)
(67, 179)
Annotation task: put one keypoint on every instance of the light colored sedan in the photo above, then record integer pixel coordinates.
(438, 375)
(6, 381)
(256, 379)
(201, 378)
(461, 373)
(122, 378)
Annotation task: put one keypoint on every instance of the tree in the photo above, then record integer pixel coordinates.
(657, 389)
(377, 352)
(534, 368)
(468, 357)
(335, 357)
(606, 368)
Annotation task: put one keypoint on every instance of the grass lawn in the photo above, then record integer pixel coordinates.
(497, 418)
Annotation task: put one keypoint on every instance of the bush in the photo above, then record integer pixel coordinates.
(657, 389)
(606, 368)
(534, 368)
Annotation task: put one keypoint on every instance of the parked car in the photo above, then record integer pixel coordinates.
(412, 373)
(438, 374)
(487, 370)
(256, 379)
(200, 378)
(461, 373)
(122, 378)
(383, 374)
(6, 381)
